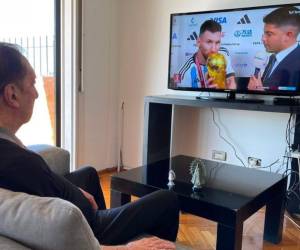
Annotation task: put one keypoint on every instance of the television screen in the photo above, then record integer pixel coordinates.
(249, 50)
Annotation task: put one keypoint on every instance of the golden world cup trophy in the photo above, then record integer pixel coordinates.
(216, 65)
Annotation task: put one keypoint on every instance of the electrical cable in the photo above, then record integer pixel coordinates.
(293, 222)
(230, 144)
(121, 135)
(294, 193)
(287, 131)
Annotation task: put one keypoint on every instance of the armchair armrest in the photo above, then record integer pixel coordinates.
(58, 159)
(44, 223)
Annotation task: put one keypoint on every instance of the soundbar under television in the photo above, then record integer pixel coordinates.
(249, 50)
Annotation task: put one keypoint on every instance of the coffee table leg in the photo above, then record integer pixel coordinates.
(274, 218)
(229, 238)
(118, 199)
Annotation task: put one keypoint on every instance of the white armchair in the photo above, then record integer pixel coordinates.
(32, 222)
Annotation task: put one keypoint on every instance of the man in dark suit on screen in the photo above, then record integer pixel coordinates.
(282, 72)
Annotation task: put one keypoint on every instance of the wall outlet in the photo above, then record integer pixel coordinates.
(294, 154)
(254, 162)
(219, 155)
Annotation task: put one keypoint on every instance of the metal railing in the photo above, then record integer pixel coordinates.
(39, 50)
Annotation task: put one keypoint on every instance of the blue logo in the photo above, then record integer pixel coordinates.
(243, 33)
(241, 65)
(188, 54)
(174, 21)
(174, 36)
(220, 20)
(241, 53)
(193, 22)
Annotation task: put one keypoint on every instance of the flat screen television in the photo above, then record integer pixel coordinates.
(236, 59)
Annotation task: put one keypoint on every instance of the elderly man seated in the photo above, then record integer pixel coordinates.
(22, 170)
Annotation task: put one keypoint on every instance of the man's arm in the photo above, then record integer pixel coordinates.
(153, 243)
(255, 83)
(230, 82)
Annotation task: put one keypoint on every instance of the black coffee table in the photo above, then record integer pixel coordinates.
(230, 196)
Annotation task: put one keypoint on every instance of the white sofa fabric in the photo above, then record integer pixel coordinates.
(44, 223)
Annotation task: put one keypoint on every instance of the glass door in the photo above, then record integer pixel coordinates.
(33, 25)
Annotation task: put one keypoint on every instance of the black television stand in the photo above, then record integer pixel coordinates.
(291, 101)
(158, 122)
(231, 97)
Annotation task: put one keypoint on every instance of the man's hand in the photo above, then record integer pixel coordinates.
(90, 198)
(210, 82)
(151, 243)
(230, 82)
(255, 83)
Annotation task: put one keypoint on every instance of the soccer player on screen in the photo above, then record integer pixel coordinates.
(194, 72)
(281, 28)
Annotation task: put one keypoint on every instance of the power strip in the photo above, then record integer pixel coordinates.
(295, 154)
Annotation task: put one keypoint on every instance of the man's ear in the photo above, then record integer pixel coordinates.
(291, 32)
(198, 41)
(10, 95)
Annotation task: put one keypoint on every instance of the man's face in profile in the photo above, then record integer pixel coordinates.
(27, 92)
(209, 42)
(274, 38)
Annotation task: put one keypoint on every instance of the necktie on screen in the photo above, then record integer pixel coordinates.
(269, 67)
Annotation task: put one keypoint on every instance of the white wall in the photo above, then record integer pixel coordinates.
(144, 44)
(125, 52)
(98, 104)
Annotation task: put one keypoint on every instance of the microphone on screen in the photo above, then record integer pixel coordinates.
(260, 61)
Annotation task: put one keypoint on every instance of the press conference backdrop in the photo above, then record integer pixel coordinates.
(242, 31)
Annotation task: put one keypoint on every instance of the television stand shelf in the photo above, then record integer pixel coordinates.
(158, 124)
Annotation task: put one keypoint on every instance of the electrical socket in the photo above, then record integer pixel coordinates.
(219, 155)
(254, 162)
(295, 154)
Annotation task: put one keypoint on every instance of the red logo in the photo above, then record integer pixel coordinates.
(177, 78)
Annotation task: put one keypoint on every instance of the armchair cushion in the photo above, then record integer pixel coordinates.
(58, 159)
(44, 223)
(8, 244)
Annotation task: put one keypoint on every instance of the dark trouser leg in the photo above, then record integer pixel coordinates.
(156, 214)
(87, 178)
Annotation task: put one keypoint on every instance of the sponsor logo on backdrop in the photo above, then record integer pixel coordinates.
(193, 36)
(174, 21)
(244, 20)
(292, 12)
(257, 43)
(230, 44)
(241, 53)
(177, 78)
(240, 65)
(188, 54)
(174, 36)
(220, 20)
(176, 46)
(243, 33)
(193, 22)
